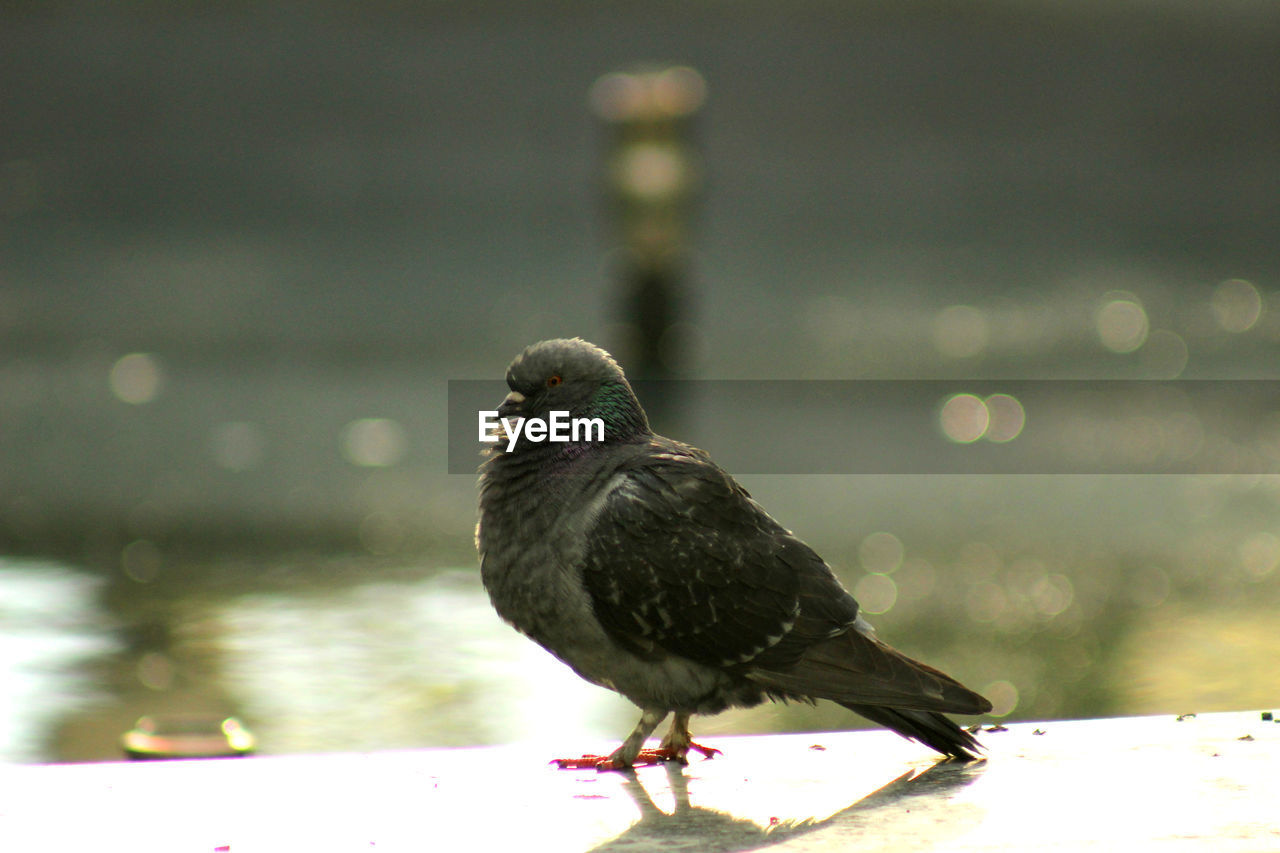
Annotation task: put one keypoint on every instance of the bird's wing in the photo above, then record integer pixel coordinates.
(680, 560)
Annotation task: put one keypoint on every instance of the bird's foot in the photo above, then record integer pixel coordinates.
(644, 757)
(677, 754)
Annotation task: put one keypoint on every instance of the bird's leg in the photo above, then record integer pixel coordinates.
(632, 748)
(674, 746)
(626, 755)
(678, 742)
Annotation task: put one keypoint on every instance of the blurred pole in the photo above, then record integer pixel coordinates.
(652, 181)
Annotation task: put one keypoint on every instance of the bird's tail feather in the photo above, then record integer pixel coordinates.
(929, 727)
(856, 669)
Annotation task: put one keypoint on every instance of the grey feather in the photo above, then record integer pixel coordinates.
(650, 571)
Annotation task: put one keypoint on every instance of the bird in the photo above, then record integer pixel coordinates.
(650, 571)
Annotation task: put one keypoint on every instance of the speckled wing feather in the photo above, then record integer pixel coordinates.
(680, 560)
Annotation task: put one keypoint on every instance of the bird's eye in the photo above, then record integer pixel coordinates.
(553, 380)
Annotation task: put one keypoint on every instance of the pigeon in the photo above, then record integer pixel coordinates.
(648, 570)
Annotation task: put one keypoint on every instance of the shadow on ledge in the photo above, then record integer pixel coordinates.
(904, 808)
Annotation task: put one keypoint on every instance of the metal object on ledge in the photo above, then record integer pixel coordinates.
(187, 736)
(652, 179)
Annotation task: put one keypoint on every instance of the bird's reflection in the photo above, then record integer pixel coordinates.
(691, 827)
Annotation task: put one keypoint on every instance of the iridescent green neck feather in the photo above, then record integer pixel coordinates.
(616, 404)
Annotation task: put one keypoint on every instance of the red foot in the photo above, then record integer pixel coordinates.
(646, 757)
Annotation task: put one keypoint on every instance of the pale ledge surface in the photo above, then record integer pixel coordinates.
(1138, 783)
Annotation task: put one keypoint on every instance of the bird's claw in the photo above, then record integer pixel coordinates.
(707, 751)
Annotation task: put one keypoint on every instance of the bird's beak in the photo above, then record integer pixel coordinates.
(510, 404)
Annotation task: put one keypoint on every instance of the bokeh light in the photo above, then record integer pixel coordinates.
(1236, 305)
(1006, 418)
(136, 378)
(1003, 696)
(141, 560)
(1052, 594)
(881, 553)
(156, 671)
(626, 96)
(1259, 555)
(964, 418)
(653, 170)
(876, 593)
(1122, 322)
(374, 442)
(1164, 355)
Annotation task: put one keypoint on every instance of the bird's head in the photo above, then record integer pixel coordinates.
(572, 375)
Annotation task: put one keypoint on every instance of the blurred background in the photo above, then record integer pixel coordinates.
(244, 248)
